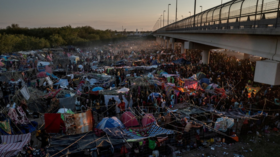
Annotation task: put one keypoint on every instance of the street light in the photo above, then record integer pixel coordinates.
(163, 18)
(168, 15)
(160, 20)
(190, 13)
(176, 11)
(201, 8)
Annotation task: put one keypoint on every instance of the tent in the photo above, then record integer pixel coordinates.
(182, 61)
(148, 119)
(129, 119)
(112, 122)
(155, 95)
(97, 89)
(42, 75)
(204, 80)
(13, 144)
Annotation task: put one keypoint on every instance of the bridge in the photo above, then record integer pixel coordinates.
(249, 26)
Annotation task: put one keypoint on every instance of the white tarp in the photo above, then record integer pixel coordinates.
(25, 93)
(123, 90)
(50, 82)
(92, 81)
(71, 75)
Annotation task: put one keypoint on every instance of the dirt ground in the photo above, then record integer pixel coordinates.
(249, 146)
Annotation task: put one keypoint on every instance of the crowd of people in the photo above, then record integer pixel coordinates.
(144, 79)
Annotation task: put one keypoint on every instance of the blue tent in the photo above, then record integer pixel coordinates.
(205, 80)
(112, 122)
(97, 89)
(182, 61)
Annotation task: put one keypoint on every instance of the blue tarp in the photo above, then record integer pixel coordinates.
(52, 75)
(62, 82)
(97, 89)
(112, 122)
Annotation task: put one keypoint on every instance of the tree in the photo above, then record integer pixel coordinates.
(56, 40)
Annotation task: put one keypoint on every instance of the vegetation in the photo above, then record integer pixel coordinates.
(15, 38)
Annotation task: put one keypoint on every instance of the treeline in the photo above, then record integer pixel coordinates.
(15, 38)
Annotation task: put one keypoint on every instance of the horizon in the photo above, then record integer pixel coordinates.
(118, 15)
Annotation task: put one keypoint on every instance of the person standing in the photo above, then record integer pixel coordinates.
(122, 107)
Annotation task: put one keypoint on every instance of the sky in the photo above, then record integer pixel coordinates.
(99, 14)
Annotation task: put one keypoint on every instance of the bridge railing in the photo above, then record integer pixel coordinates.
(236, 14)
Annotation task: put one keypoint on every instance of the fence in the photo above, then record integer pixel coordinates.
(236, 14)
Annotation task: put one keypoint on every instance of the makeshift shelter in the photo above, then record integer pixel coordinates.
(224, 123)
(83, 142)
(13, 144)
(148, 119)
(78, 123)
(129, 119)
(140, 133)
(112, 122)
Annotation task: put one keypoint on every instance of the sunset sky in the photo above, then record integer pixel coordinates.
(99, 14)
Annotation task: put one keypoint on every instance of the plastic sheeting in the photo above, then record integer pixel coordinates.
(67, 102)
(63, 82)
(89, 141)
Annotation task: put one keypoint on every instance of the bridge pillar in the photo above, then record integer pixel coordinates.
(246, 56)
(171, 43)
(205, 56)
(182, 48)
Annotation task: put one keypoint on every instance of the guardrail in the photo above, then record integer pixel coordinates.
(236, 14)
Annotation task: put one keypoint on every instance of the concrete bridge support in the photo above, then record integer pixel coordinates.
(246, 56)
(205, 56)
